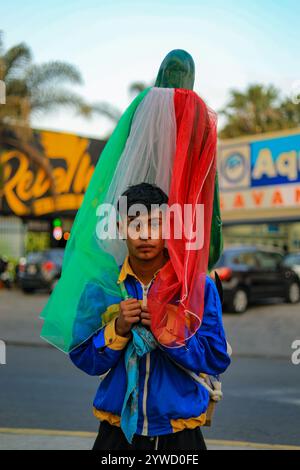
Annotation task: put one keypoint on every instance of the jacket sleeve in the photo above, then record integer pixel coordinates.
(206, 351)
(101, 352)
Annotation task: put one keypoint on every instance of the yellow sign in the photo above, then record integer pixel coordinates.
(27, 188)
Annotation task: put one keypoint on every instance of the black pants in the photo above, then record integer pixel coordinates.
(112, 438)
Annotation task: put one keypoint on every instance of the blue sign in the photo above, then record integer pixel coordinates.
(275, 161)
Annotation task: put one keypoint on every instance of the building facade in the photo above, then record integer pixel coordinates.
(259, 181)
(260, 189)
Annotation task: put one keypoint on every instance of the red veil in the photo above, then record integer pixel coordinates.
(176, 299)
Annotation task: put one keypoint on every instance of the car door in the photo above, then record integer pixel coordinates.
(271, 278)
(252, 275)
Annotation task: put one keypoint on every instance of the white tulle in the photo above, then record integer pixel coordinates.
(148, 157)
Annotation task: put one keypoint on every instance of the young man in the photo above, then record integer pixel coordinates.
(171, 404)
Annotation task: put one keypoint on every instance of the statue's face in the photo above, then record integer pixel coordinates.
(177, 71)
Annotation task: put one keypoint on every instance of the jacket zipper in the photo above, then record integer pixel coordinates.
(145, 394)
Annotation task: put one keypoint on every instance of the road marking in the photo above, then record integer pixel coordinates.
(89, 435)
(47, 432)
(252, 445)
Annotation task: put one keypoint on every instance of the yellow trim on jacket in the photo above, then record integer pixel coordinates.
(114, 420)
(127, 269)
(177, 424)
(189, 423)
(112, 340)
(110, 313)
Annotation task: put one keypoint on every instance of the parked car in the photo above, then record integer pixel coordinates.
(250, 273)
(293, 261)
(40, 270)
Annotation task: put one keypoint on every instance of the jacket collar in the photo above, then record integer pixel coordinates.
(126, 270)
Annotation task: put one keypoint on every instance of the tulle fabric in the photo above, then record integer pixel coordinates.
(142, 148)
(166, 137)
(176, 299)
(148, 157)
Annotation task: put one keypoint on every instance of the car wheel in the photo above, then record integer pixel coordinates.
(293, 294)
(240, 301)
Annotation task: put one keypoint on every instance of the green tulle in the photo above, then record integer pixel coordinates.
(216, 236)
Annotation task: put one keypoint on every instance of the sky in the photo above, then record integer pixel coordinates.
(113, 43)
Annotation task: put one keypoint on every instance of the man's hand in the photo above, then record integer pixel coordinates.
(146, 317)
(130, 314)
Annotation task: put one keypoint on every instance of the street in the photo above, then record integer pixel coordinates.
(41, 389)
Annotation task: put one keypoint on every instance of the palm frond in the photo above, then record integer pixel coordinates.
(16, 59)
(49, 100)
(51, 74)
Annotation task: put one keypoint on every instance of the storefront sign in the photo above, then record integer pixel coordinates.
(27, 188)
(260, 173)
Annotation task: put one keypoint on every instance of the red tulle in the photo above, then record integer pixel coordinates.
(176, 299)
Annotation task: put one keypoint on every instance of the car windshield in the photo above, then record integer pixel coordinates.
(292, 260)
(35, 257)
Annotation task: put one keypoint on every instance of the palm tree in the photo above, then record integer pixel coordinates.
(291, 113)
(259, 109)
(30, 91)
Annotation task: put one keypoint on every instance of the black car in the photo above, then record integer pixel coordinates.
(40, 270)
(250, 273)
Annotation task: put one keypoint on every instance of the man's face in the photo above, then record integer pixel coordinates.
(145, 235)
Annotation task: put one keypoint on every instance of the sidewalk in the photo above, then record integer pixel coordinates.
(41, 439)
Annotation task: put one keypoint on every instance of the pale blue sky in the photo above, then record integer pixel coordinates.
(233, 42)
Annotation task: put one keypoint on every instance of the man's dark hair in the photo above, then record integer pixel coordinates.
(146, 194)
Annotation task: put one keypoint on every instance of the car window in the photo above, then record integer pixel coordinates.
(249, 259)
(268, 260)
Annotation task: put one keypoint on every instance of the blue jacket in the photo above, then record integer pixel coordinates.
(169, 399)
